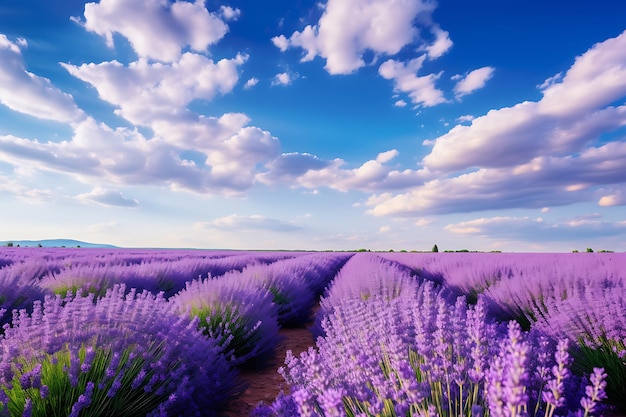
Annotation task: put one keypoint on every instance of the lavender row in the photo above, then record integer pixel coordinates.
(145, 354)
(580, 297)
(30, 273)
(397, 345)
(123, 354)
(245, 309)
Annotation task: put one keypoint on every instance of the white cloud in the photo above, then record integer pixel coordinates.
(283, 78)
(107, 197)
(99, 154)
(423, 222)
(543, 182)
(617, 198)
(251, 82)
(529, 229)
(387, 156)
(571, 115)
(400, 103)
(421, 90)
(596, 79)
(384, 229)
(550, 81)
(442, 43)
(25, 92)
(473, 81)
(291, 165)
(309, 171)
(254, 222)
(146, 91)
(26, 192)
(158, 29)
(465, 118)
(349, 28)
(229, 13)
(281, 42)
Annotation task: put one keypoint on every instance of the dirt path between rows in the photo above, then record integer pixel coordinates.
(265, 384)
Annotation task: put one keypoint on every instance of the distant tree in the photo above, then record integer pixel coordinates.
(10, 244)
(575, 251)
(39, 245)
(435, 248)
(589, 250)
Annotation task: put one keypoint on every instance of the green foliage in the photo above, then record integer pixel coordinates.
(84, 290)
(606, 354)
(234, 331)
(62, 394)
(435, 248)
(589, 250)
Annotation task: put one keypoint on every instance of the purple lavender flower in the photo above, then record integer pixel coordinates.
(238, 313)
(128, 333)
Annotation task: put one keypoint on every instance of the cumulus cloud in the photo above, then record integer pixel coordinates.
(158, 29)
(542, 182)
(465, 118)
(537, 229)
(250, 223)
(108, 197)
(440, 46)
(309, 171)
(99, 154)
(25, 92)
(572, 113)
(229, 13)
(187, 151)
(144, 91)
(473, 81)
(421, 89)
(615, 198)
(251, 82)
(283, 78)
(291, 165)
(349, 28)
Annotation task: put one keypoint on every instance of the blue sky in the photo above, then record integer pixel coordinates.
(340, 124)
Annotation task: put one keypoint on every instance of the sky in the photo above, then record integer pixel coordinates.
(315, 125)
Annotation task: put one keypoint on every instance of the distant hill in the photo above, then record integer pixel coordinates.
(55, 243)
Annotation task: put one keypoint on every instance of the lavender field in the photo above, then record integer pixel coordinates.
(121, 332)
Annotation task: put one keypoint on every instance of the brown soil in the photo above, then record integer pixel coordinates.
(265, 384)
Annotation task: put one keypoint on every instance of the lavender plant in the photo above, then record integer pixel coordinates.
(241, 316)
(289, 290)
(17, 291)
(127, 354)
(593, 320)
(417, 354)
(363, 275)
